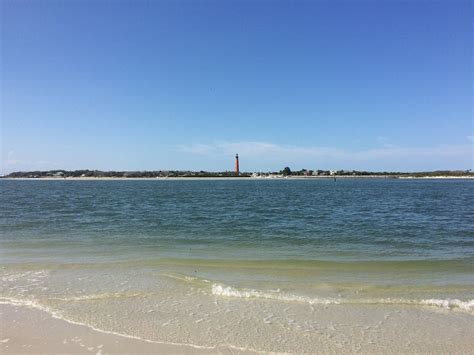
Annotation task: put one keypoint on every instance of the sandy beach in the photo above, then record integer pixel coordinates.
(25, 330)
(30, 331)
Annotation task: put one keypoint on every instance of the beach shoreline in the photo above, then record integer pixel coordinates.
(25, 329)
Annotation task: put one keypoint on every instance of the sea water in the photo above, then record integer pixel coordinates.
(252, 264)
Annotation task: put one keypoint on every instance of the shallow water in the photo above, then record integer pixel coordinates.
(240, 262)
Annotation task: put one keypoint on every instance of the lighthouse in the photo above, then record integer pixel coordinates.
(236, 165)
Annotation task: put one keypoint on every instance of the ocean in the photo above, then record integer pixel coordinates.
(265, 265)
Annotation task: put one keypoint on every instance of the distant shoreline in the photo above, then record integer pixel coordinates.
(90, 178)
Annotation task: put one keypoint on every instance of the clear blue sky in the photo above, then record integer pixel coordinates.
(132, 85)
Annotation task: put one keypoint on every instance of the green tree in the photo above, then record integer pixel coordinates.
(286, 171)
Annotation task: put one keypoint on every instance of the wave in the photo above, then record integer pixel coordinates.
(228, 291)
(222, 290)
(450, 303)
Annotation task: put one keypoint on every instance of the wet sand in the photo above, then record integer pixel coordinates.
(25, 330)
(29, 330)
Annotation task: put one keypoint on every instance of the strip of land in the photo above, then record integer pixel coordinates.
(237, 178)
(286, 173)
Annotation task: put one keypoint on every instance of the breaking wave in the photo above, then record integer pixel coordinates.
(228, 291)
(450, 303)
(221, 290)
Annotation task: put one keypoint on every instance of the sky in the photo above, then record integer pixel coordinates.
(164, 85)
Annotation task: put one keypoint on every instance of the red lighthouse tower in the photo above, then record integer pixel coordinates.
(236, 165)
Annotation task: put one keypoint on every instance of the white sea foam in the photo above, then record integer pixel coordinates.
(450, 304)
(228, 291)
(31, 304)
